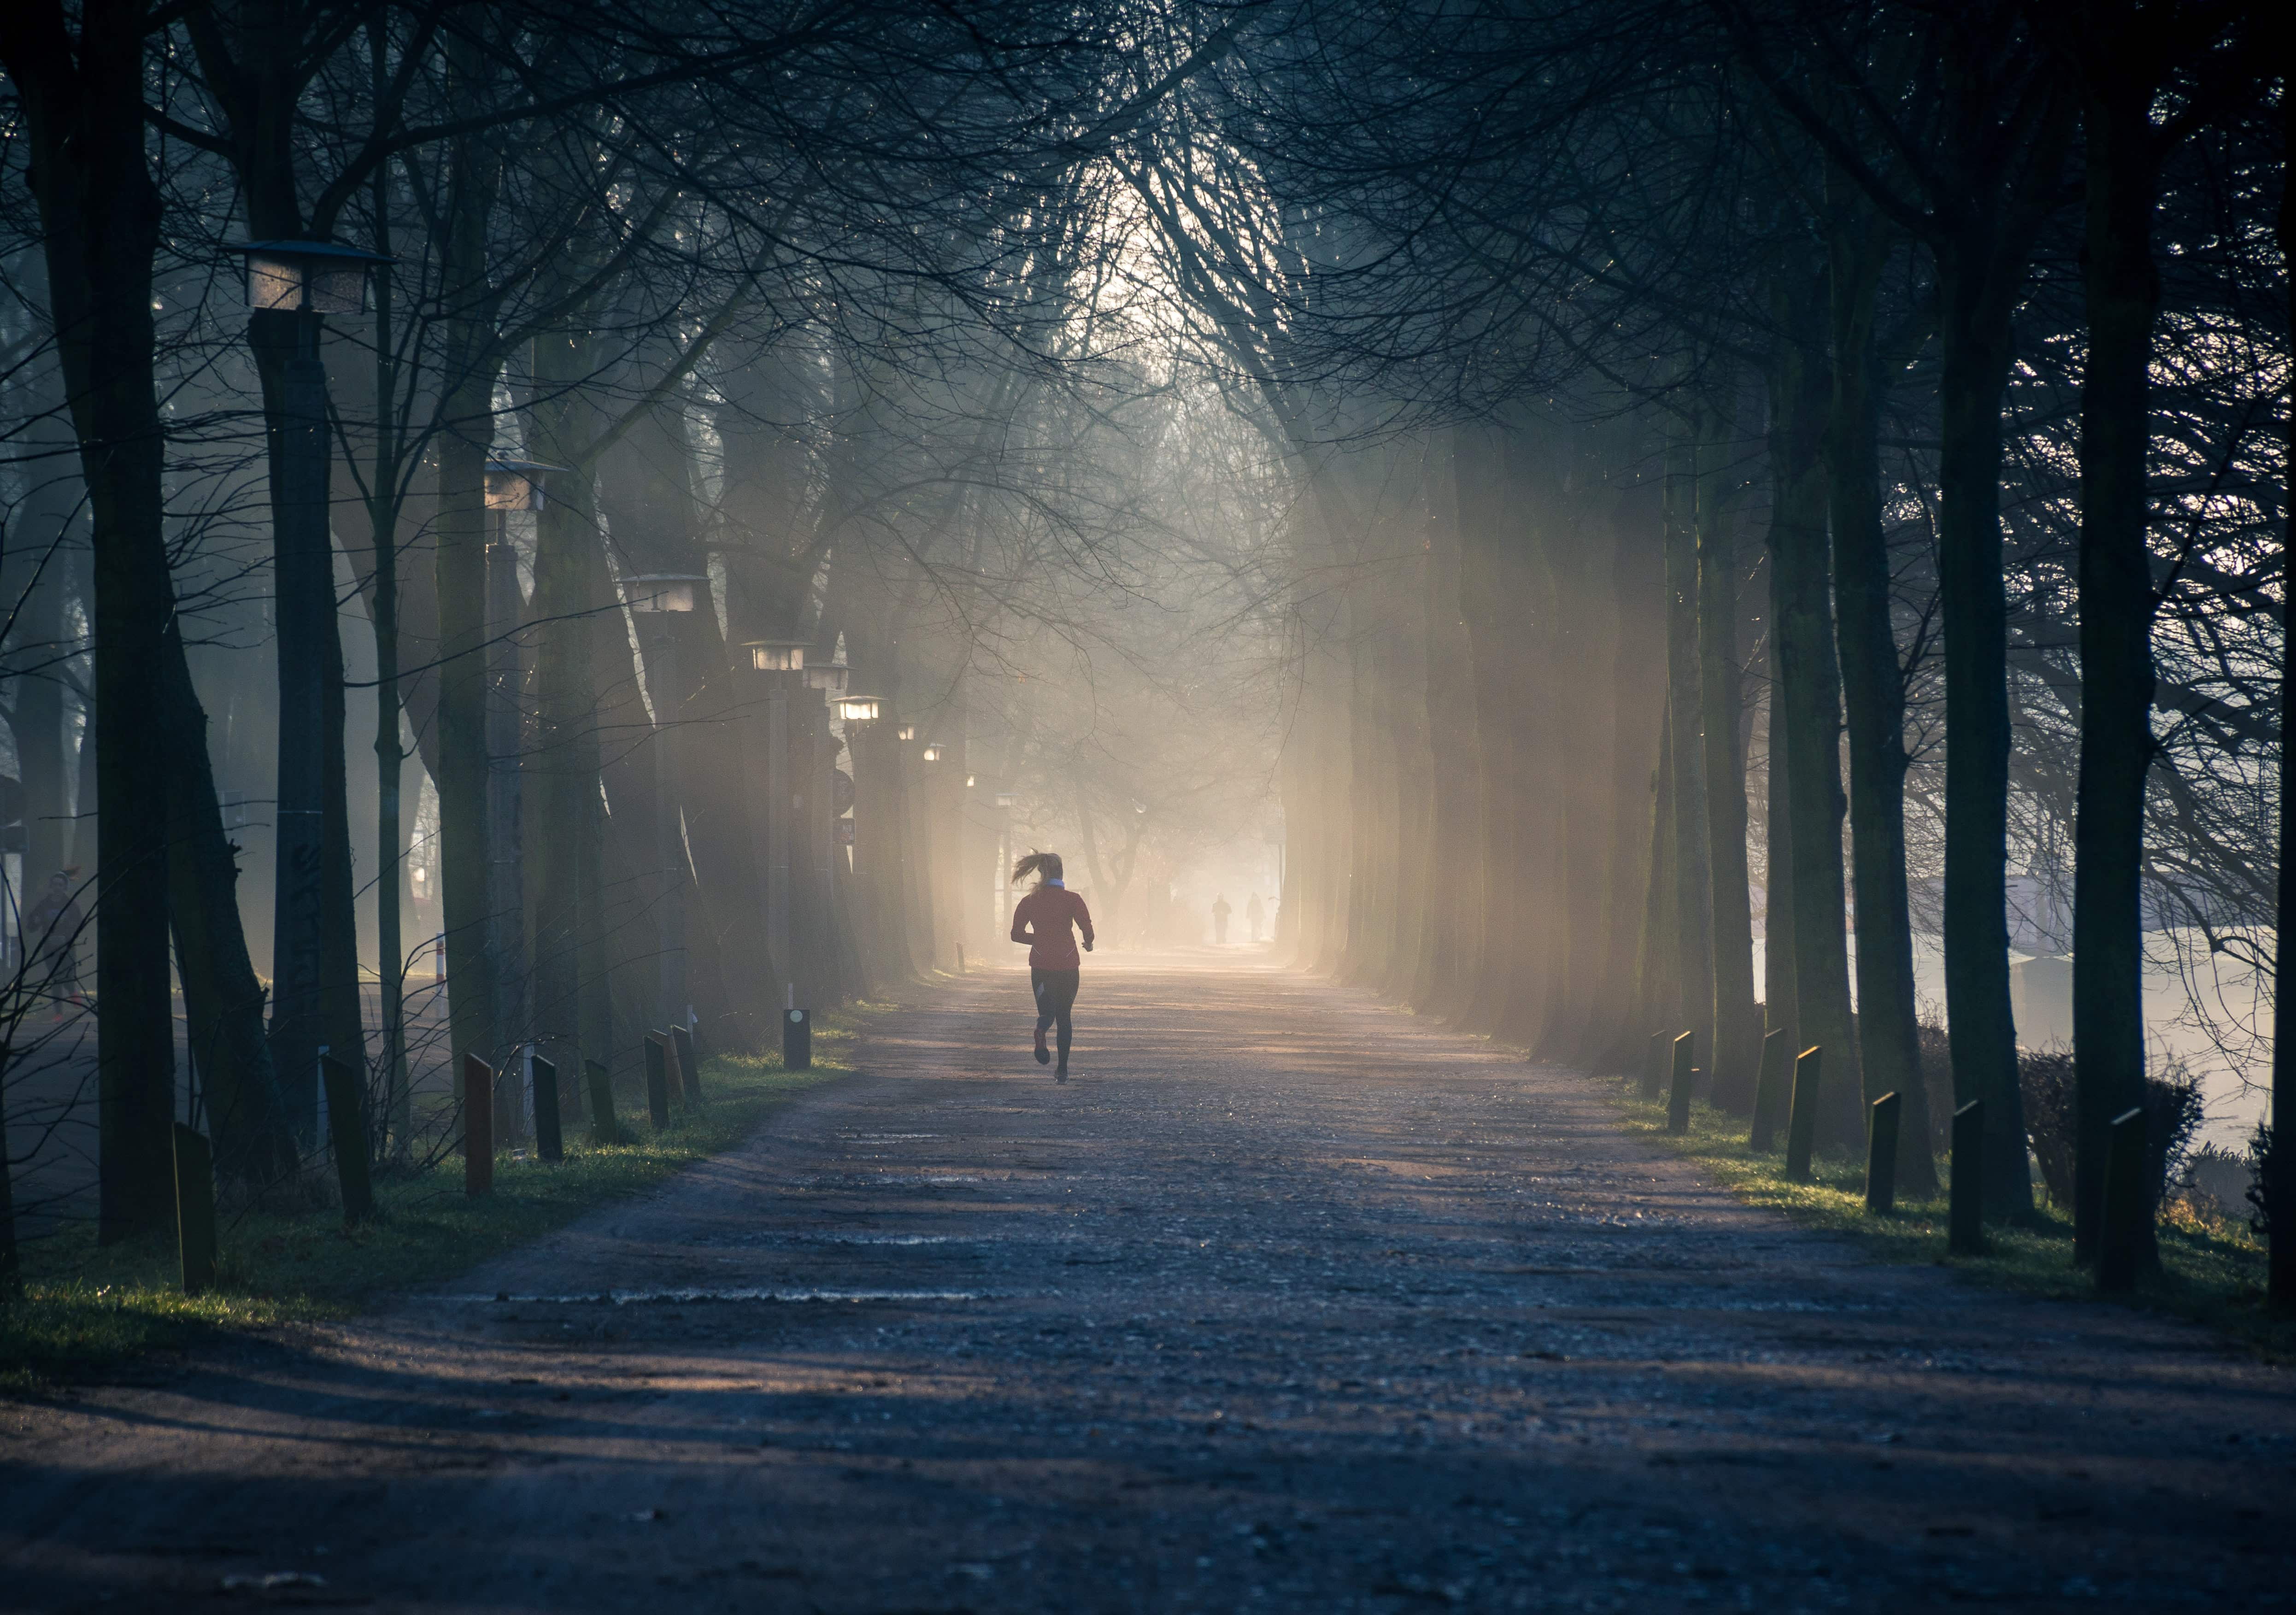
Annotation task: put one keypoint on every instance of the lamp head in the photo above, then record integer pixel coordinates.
(516, 485)
(307, 277)
(653, 591)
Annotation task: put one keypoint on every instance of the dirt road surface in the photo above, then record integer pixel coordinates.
(1288, 1302)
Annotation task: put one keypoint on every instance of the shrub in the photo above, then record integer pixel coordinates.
(2045, 1077)
(2171, 1103)
(1936, 1046)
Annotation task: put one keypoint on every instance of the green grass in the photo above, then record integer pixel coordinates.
(2212, 1269)
(90, 1312)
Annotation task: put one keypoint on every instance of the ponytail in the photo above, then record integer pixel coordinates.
(1045, 865)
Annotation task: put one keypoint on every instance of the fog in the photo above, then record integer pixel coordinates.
(651, 536)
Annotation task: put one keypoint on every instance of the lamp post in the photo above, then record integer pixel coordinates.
(659, 600)
(292, 286)
(1007, 800)
(824, 682)
(782, 663)
(512, 485)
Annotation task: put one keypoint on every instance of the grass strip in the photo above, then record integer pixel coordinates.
(91, 1312)
(2212, 1268)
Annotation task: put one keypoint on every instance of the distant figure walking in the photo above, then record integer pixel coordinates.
(1255, 916)
(1042, 919)
(1220, 912)
(51, 941)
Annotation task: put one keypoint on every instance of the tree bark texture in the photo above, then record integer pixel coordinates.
(1693, 877)
(1874, 696)
(1808, 684)
(82, 106)
(1738, 1045)
(2117, 744)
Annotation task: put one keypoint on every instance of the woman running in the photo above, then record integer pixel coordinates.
(1042, 919)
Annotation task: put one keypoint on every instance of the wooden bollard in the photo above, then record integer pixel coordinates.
(196, 1211)
(2127, 1203)
(689, 1063)
(1965, 1212)
(347, 1121)
(1655, 1065)
(603, 1128)
(1801, 1122)
(1881, 1156)
(1770, 1093)
(657, 1069)
(549, 1134)
(1678, 1098)
(477, 1126)
(797, 1040)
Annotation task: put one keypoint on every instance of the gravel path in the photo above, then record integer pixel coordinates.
(1288, 1302)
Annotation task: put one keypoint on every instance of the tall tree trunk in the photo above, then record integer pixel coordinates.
(1873, 693)
(81, 101)
(461, 528)
(1736, 1049)
(1658, 971)
(1454, 948)
(1974, 326)
(2279, 1185)
(1808, 682)
(1692, 881)
(312, 1005)
(246, 1115)
(1638, 681)
(1780, 1005)
(572, 606)
(2117, 746)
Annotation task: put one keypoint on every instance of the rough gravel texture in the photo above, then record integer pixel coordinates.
(1287, 1302)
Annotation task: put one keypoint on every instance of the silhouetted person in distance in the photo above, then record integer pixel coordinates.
(1042, 919)
(1220, 912)
(1254, 914)
(51, 941)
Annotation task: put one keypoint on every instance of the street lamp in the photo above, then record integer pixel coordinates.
(663, 592)
(1001, 894)
(933, 754)
(907, 732)
(516, 485)
(662, 598)
(831, 677)
(292, 285)
(307, 277)
(778, 822)
(858, 709)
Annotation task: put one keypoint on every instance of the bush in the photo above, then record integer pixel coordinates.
(1936, 1046)
(2045, 1079)
(2172, 1108)
(2219, 1181)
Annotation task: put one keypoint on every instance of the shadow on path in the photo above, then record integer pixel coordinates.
(1287, 1302)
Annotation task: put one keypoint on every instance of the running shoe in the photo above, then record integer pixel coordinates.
(1043, 1055)
(1062, 1074)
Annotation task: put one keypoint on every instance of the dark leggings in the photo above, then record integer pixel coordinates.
(1056, 991)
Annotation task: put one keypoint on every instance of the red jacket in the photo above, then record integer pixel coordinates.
(1043, 918)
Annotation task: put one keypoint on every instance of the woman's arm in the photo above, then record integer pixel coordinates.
(1020, 931)
(1084, 923)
